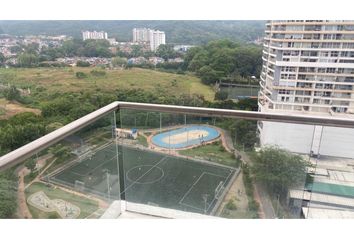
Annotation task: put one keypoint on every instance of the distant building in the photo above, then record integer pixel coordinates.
(127, 133)
(182, 48)
(146, 35)
(141, 35)
(156, 60)
(94, 35)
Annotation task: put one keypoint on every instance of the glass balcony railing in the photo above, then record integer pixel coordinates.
(147, 160)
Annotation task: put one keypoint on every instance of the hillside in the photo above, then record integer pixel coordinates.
(178, 32)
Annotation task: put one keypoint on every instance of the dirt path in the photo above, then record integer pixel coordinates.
(238, 194)
(43, 162)
(23, 210)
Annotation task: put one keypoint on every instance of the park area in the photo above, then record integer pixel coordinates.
(48, 201)
(150, 177)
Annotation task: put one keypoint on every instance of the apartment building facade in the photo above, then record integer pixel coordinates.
(152, 37)
(308, 68)
(94, 35)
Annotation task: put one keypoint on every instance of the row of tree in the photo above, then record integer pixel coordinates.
(224, 59)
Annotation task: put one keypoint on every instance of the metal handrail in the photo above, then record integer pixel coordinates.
(36, 146)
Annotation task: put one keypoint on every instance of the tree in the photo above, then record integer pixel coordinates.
(166, 51)
(221, 95)
(224, 58)
(209, 75)
(245, 132)
(119, 62)
(31, 164)
(12, 93)
(80, 75)
(80, 63)
(8, 191)
(279, 170)
(27, 60)
(136, 51)
(2, 59)
(62, 153)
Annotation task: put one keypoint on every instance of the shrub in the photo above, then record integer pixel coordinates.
(98, 73)
(82, 63)
(253, 205)
(230, 205)
(81, 75)
(221, 95)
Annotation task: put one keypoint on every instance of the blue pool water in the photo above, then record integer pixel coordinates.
(162, 139)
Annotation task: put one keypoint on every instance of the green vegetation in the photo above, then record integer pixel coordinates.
(80, 75)
(243, 132)
(142, 140)
(2, 59)
(19, 130)
(87, 48)
(119, 62)
(82, 64)
(27, 60)
(8, 194)
(224, 60)
(87, 206)
(51, 81)
(166, 51)
(231, 205)
(279, 170)
(214, 152)
(253, 206)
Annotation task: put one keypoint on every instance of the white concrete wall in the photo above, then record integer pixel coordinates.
(300, 138)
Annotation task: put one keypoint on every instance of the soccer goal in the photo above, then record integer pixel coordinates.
(79, 185)
(219, 190)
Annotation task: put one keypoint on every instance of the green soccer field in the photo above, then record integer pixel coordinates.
(150, 178)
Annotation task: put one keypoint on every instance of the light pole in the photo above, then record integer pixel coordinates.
(108, 187)
(276, 213)
(205, 198)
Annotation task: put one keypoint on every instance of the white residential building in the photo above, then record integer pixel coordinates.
(146, 35)
(94, 35)
(308, 69)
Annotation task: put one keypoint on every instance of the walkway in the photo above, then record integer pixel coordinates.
(23, 210)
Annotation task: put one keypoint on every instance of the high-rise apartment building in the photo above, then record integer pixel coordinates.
(94, 35)
(141, 34)
(146, 35)
(308, 68)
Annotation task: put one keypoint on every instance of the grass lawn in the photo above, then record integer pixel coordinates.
(87, 206)
(53, 80)
(142, 140)
(214, 152)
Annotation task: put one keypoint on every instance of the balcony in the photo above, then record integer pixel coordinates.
(135, 160)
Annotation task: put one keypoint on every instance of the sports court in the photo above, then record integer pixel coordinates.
(185, 137)
(150, 178)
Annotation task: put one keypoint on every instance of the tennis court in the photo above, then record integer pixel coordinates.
(150, 178)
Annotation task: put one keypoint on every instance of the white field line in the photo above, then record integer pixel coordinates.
(180, 201)
(211, 204)
(137, 180)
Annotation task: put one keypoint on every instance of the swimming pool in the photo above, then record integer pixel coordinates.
(185, 137)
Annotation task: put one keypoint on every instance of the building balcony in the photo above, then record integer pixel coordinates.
(135, 160)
